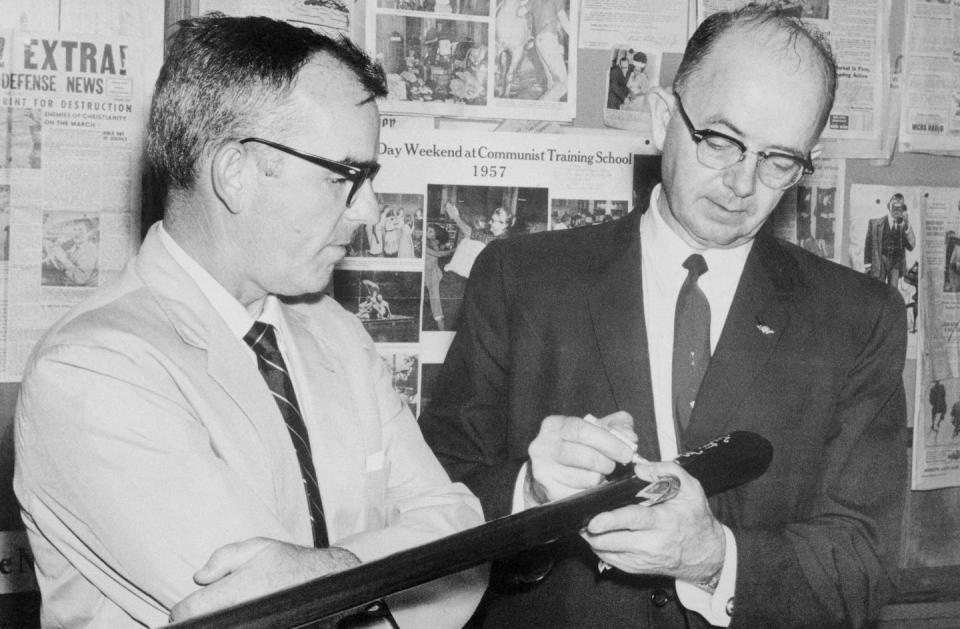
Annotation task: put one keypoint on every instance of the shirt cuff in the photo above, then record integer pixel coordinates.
(519, 502)
(714, 607)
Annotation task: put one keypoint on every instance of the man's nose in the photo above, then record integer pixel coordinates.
(742, 176)
(365, 207)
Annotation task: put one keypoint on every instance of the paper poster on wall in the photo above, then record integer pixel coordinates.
(811, 213)
(885, 231)
(476, 59)
(858, 32)
(660, 25)
(930, 112)
(633, 73)
(72, 114)
(330, 17)
(936, 426)
(445, 195)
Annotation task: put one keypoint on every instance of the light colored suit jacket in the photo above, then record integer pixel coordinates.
(146, 439)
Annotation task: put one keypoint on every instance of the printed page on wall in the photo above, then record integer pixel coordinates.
(330, 17)
(811, 213)
(884, 242)
(444, 195)
(514, 59)
(644, 42)
(930, 113)
(71, 115)
(936, 425)
(858, 35)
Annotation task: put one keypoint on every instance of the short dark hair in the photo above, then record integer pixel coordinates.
(443, 237)
(228, 77)
(640, 57)
(784, 19)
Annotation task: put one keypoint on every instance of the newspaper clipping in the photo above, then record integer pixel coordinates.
(930, 113)
(858, 38)
(810, 214)
(936, 426)
(71, 116)
(513, 59)
(885, 233)
(444, 195)
(330, 17)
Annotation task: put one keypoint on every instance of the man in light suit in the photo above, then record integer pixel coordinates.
(888, 240)
(159, 474)
(804, 352)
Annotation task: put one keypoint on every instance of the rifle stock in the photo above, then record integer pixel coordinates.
(337, 599)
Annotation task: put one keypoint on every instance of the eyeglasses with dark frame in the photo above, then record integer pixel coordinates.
(356, 175)
(718, 151)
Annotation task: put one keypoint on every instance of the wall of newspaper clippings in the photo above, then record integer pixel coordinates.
(69, 106)
(513, 115)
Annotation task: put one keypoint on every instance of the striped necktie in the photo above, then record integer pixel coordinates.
(262, 339)
(691, 343)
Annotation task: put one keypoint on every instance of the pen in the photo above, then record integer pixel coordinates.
(593, 420)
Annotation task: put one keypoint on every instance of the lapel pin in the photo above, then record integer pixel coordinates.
(764, 329)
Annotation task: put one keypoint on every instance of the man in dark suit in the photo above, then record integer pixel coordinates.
(803, 351)
(617, 90)
(938, 404)
(888, 240)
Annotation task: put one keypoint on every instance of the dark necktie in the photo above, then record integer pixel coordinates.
(691, 342)
(263, 341)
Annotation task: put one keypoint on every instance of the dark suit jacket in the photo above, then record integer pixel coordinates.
(553, 323)
(617, 90)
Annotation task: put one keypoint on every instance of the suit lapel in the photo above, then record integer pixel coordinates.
(615, 300)
(200, 327)
(758, 318)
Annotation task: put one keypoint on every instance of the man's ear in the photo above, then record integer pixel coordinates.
(661, 111)
(227, 175)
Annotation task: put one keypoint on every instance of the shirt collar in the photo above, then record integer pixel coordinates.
(670, 250)
(238, 319)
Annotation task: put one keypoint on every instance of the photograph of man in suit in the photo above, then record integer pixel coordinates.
(888, 240)
(617, 90)
(938, 405)
(185, 439)
(799, 349)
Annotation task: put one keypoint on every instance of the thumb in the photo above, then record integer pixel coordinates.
(226, 559)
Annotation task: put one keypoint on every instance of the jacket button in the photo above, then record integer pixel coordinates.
(660, 597)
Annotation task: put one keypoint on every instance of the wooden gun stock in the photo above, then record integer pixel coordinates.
(333, 600)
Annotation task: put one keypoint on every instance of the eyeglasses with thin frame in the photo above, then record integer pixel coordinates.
(356, 175)
(718, 151)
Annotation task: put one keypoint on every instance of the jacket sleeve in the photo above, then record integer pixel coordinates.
(420, 505)
(466, 421)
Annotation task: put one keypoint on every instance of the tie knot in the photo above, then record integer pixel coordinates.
(261, 338)
(695, 264)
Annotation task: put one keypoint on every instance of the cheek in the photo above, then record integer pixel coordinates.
(766, 202)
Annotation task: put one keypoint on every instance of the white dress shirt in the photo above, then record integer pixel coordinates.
(662, 253)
